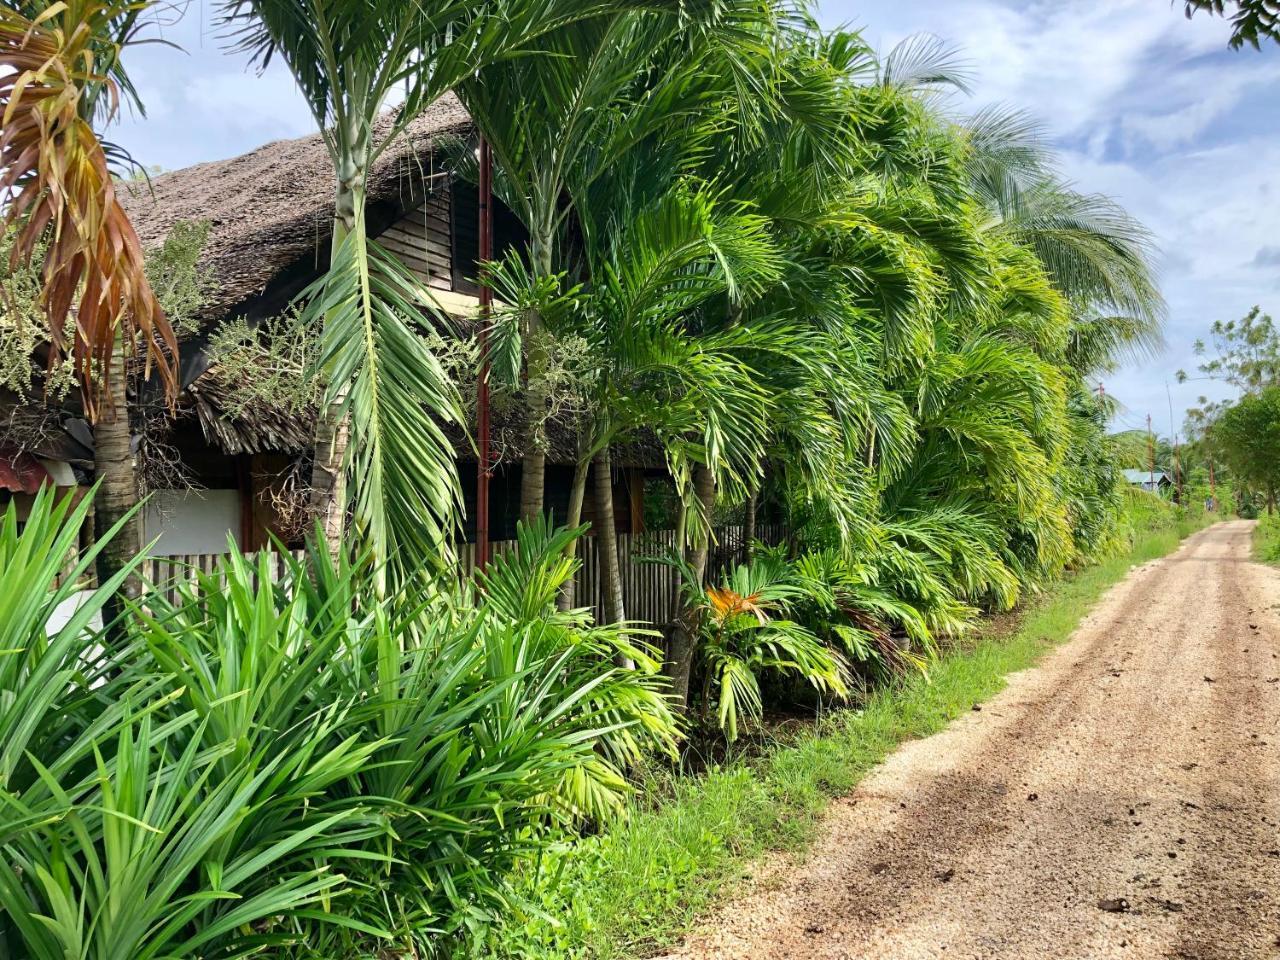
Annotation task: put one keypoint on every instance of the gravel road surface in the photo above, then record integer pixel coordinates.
(1120, 800)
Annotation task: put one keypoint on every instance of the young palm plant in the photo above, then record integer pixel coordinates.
(744, 635)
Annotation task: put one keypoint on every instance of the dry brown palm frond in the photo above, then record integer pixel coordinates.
(55, 175)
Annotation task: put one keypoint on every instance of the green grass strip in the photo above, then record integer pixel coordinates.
(1266, 539)
(636, 888)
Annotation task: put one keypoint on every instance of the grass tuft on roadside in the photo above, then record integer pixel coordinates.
(688, 841)
(1266, 540)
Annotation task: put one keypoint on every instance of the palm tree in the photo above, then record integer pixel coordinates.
(388, 398)
(1095, 252)
(771, 299)
(695, 390)
(62, 75)
(560, 123)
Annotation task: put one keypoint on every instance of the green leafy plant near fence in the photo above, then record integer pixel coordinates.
(286, 764)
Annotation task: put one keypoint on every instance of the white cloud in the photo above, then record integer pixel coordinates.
(1069, 58)
(1179, 105)
(270, 102)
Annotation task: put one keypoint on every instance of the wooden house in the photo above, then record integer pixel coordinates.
(1152, 481)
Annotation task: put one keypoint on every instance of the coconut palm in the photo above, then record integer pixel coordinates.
(63, 80)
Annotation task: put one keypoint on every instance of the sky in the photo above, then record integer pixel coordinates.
(1144, 106)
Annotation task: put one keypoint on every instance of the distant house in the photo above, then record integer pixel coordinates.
(271, 213)
(1157, 482)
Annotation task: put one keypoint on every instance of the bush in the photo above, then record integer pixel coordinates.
(745, 635)
(1266, 540)
(293, 765)
(1145, 512)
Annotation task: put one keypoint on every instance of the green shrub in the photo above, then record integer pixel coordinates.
(1145, 512)
(745, 635)
(1266, 539)
(290, 765)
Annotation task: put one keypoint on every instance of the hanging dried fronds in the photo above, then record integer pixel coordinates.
(55, 71)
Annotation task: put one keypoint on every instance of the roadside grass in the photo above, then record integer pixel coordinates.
(1266, 539)
(689, 840)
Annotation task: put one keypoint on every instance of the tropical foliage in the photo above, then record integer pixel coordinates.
(1232, 437)
(1247, 436)
(292, 764)
(61, 74)
(763, 249)
(1252, 21)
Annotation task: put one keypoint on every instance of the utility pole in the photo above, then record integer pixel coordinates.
(1213, 489)
(1151, 455)
(483, 458)
(1177, 469)
(1177, 459)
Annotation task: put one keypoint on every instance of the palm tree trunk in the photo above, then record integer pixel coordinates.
(749, 525)
(328, 473)
(607, 540)
(118, 491)
(328, 479)
(533, 468)
(684, 629)
(577, 493)
(533, 480)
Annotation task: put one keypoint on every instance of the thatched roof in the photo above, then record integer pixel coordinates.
(266, 428)
(273, 207)
(271, 210)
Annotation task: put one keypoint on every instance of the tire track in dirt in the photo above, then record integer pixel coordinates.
(1140, 764)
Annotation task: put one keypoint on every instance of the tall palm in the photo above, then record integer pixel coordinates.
(62, 76)
(809, 395)
(801, 330)
(388, 398)
(1095, 252)
(558, 124)
(695, 390)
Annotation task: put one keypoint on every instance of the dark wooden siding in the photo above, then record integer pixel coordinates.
(421, 240)
(508, 232)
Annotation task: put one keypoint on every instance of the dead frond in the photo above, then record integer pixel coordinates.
(59, 188)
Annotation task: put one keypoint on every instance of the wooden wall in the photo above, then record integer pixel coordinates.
(421, 240)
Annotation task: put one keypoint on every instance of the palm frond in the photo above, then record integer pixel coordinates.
(925, 61)
(399, 398)
(57, 70)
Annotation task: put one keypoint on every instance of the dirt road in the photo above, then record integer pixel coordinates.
(1120, 800)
